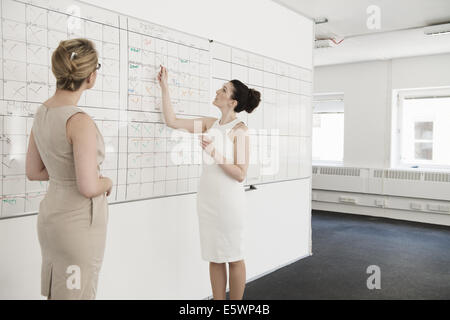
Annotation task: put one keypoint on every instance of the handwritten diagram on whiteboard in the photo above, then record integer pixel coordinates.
(143, 156)
(151, 167)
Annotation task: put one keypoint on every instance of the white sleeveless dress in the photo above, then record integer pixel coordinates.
(221, 204)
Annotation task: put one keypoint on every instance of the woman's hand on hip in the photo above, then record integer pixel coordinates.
(109, 184)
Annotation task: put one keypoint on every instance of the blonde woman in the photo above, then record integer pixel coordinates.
(67, 149)
(221, 204)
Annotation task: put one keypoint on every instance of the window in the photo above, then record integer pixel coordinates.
(423, 140)
(328, 128)
(423, 129)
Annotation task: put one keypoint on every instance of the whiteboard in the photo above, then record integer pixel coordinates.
(280, 127)
(144, 158)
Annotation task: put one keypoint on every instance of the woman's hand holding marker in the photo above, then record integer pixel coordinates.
(163, 78)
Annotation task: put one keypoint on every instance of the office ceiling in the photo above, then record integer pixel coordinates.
(400, 33)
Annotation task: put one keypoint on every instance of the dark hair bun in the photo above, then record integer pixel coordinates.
(254, 98)
(248, 99)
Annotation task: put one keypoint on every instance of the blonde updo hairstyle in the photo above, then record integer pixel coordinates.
(72, 62)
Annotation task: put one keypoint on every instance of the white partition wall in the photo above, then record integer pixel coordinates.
(153, 243)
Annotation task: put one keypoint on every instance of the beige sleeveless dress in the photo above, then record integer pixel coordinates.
(71, 227)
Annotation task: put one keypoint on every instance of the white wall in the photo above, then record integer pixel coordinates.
(153, 246)
(261, 26)
(425, 71)
(367, 88)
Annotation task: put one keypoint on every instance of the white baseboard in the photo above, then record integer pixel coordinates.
(424, 217)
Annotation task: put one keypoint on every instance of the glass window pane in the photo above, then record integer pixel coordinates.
(423, 151)
(328, 137)
(424, 130)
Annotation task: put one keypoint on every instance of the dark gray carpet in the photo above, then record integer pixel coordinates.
(414, 259)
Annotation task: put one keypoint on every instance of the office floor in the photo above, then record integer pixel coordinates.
(414, 261)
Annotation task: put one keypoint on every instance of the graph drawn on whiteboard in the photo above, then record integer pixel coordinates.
(144, 158)
(137, 143)
(152, 168)
(30, 31)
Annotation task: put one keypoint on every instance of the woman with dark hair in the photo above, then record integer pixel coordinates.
(221, 203)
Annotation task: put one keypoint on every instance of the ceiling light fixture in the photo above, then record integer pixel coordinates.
(437, 29)
(320, 20)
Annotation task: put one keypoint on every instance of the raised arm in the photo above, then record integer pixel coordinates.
(34, 167)
(190, 125)
(81, 132)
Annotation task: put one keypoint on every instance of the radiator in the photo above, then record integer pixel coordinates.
(389, 182)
